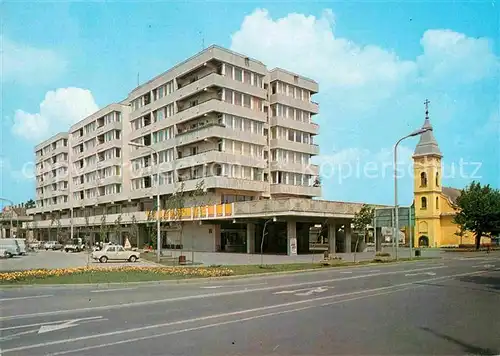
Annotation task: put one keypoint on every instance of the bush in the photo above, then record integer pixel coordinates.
(382, 254)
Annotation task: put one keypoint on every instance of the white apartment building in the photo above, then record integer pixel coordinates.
(219, 118)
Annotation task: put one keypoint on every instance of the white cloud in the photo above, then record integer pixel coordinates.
(307, 45)
(359, 76)
(29, 65)
(59, 109)
(449, 55)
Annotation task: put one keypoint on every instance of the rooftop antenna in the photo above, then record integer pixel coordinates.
(426, 103)
(137, 78)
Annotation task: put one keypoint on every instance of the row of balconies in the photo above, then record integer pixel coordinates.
(219, 131)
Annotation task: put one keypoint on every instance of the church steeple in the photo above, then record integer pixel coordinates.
(427, 146)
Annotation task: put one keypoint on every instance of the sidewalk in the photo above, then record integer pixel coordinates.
(224, 258)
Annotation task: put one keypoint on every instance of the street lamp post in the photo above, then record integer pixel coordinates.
(11, 213)
(158, 232)
(396, 212)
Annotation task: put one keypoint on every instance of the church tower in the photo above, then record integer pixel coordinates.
(427, 187)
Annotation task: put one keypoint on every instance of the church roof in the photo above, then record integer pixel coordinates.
(427, 145)
(452, 194)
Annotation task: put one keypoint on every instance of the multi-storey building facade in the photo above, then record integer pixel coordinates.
(219, 118)
(51, 167)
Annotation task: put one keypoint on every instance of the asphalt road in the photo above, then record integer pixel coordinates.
(429, 307)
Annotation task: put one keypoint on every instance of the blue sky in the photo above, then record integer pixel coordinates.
(376, 62)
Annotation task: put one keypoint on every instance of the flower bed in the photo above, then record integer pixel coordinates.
(181, 272)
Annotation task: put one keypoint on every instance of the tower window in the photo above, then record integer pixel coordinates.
(423, 203)
(437, 202)
(437, 179)
(423, 179)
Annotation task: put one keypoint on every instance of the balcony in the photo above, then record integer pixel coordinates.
(218, 131)
(217, 80)
(222, 182)
(287, 189)
(58, 150)
(310, 106)
(311, 149)
(109, 144)
(109, 180)
(311, 169)
(217, 105)
(215, 156)
(311, 128)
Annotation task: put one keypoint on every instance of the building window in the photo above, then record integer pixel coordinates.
(437, 202)
(437, 179)
(423, 179)
(423, 203)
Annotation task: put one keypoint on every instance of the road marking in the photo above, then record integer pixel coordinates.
(348, 272)
(211, 287)
(312, 291)
(378, 291)
(484, 266)
(203, 296)
(111, 290)
(30, 297)
(420, 274)
(318, 290)
(68, 324)
(49, 326)
(373, 271)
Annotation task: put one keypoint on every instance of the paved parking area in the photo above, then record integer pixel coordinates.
(57, 259)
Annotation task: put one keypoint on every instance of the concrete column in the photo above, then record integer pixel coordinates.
(332, 237)
(250, 238)
(348, 236)
(291, 237)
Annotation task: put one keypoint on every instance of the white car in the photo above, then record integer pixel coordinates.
(113, 253)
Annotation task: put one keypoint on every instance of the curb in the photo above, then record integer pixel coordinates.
(198, 280)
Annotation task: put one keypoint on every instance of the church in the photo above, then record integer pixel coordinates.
(435, 205)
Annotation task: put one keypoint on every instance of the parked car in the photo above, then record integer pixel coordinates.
(11, 246)
(35, 245)
(76, 245)
(115, 252)
(22, 246)
(52, 245)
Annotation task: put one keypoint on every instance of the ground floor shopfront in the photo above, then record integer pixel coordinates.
(282, 227)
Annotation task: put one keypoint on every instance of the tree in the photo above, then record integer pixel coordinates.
(362, 219)
(176, 203)
(34, 227)
(479, 211)
(30, 204)
(118, 227)
(88, 236)
(460, 233)
(134, 231)
(103, 229)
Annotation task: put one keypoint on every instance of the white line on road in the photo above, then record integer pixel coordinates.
(29, 297)
(377, 291)
(348, 272)
(234, 286)
(207, 295)
(300, 290)
(112, 290)
(420, 274)
(211, 287)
